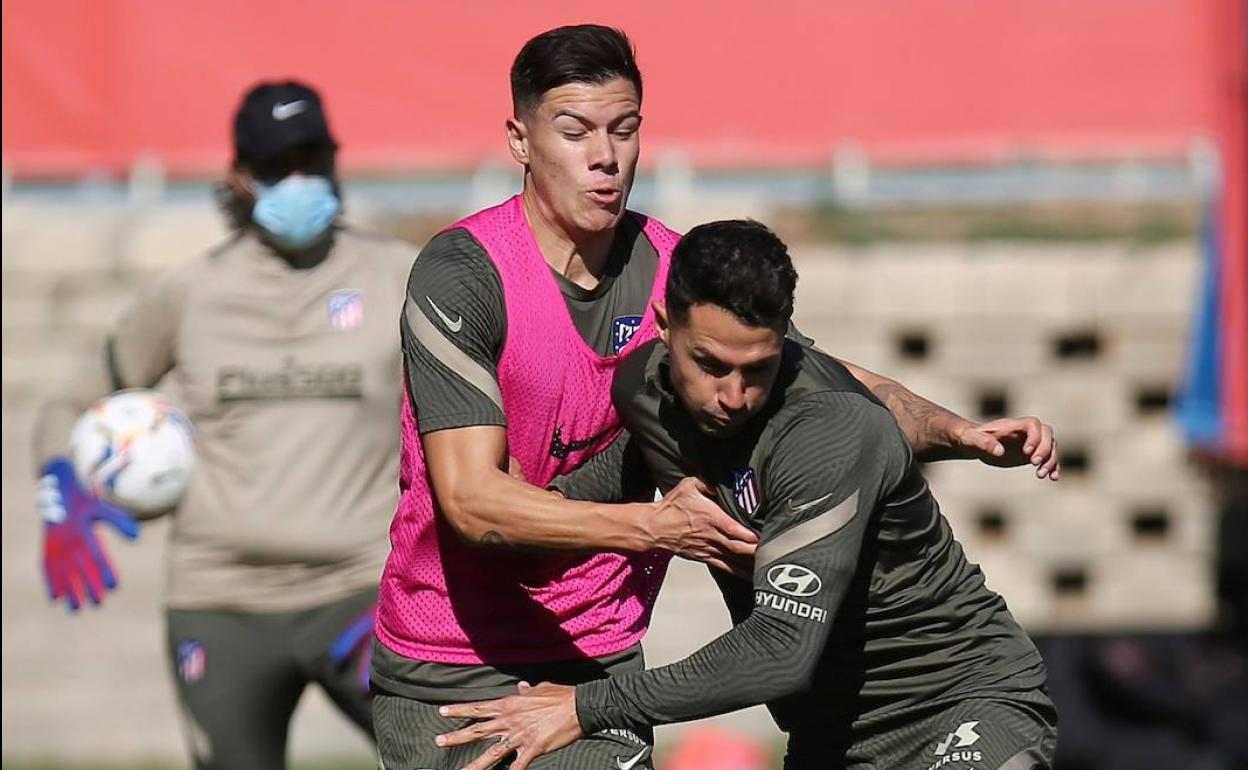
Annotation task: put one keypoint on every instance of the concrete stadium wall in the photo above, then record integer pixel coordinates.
(1090, 337)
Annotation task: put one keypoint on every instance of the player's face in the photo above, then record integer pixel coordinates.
(580, 146)
(722, 368)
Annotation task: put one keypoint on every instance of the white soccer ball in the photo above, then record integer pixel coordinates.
(135, 449)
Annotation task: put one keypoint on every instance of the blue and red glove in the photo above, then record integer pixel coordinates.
(75, 564)
(356, 639)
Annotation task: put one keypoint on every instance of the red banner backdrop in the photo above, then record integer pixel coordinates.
(92, 85)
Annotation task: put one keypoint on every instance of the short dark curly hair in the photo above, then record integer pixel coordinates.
(738, 265)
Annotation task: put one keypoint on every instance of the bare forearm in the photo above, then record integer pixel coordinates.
(927, 425)
(58, 412)
(500, 511)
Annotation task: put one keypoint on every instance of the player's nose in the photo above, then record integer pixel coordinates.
(732, 393)
(602, 152)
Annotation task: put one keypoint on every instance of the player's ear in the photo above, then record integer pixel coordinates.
(660, 320)
(518, 140)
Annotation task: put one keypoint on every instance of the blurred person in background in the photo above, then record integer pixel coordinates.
(279, 343)
(514, 323)
(865, 630)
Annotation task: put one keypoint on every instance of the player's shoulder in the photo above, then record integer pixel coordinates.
(372, 242)
(634, 375)
(455, 255)
(374, 252)
(806, 369)
(832, 437)
(198, 269)
(653, 226)
(834, 409)
(455, 244)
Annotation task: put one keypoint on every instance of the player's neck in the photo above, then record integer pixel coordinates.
(579, 257)
(304, 259)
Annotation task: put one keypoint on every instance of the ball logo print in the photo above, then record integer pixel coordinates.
(135, 449)
(794, 580)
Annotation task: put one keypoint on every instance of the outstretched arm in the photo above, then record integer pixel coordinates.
(936, 433)
(139, 351)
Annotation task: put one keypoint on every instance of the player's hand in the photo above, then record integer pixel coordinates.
(1010, 442)
(537, 721)
(75, 564)
(691, 525)
(356, 642)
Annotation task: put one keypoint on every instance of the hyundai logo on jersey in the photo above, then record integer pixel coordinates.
(794, 580)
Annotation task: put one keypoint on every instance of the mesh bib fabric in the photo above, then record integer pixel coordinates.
(446, 601)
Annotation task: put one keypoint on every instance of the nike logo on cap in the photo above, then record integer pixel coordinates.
(455, 325)
(282, 111)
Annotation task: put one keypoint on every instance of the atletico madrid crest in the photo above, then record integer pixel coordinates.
(745, 489)
(192, 660)
(346, 309)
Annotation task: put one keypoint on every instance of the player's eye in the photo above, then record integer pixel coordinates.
(570, 129)
(711, 366)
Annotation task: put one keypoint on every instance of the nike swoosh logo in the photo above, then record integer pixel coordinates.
(289, 109)
(811, 504)
(455, 325)
(628, 765)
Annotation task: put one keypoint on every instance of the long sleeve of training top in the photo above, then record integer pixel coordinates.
(831, 463)
(139, 350)
(617, 474)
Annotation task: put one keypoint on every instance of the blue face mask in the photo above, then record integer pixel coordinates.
(296, 211)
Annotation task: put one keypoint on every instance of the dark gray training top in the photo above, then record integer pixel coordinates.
(454, 278)
(862, 602)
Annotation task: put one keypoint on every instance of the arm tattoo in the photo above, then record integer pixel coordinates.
(494, 539)
(916, 416)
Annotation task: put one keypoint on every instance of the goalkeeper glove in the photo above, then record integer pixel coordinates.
(75, 565)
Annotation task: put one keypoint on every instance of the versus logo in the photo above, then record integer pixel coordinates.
(965, 736)
(794, 580)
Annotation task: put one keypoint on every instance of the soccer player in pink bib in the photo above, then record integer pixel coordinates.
(515, 320)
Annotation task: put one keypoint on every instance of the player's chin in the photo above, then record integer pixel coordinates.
(720, 429)
(600, 219)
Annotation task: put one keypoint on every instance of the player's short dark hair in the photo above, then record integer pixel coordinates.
(738, 265)
(584, 53)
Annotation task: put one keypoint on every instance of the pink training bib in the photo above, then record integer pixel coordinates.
(446, 601)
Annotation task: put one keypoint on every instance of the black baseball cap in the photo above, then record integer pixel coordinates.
(275, 116)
